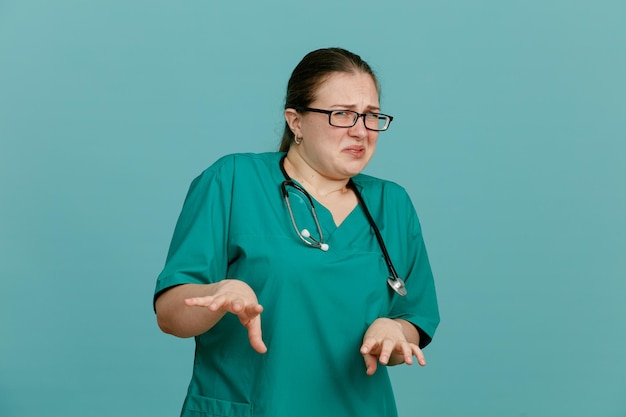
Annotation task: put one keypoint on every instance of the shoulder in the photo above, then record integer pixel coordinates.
(373, 186)
(387, 198)
(229, 166)
(244, 160)
(232, 171)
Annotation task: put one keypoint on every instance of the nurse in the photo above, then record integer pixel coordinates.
(276, 269)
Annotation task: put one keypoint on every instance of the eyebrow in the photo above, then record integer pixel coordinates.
(352, 106)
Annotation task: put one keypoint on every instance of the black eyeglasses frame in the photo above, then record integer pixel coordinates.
(356, 119)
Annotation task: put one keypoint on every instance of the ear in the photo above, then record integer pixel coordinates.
(293, 119)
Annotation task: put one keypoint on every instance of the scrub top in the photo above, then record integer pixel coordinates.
(317, 305)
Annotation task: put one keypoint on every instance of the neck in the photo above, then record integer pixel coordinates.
(311, 179)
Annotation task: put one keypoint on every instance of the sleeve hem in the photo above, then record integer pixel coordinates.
(426, 331)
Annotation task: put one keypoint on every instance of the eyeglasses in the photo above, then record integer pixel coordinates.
(348, 118)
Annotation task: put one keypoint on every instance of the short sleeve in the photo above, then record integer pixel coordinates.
(198, 250)
(419, 306)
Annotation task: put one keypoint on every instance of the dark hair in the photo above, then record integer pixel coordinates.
(312, 71)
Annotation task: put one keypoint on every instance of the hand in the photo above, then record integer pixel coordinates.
(385, 341)
(236, 297)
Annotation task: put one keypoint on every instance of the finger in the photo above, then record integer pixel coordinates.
(370, 364)
(368, 345)
(247, 313)
(253, 310)
(236, 306)
(421, 359)
(213, 303)
(386, 350)
(408, 352)
(255, 335)
(199, 301)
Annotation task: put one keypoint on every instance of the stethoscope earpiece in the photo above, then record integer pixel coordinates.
(307, 235)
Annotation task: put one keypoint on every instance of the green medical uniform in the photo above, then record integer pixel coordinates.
(317, 305)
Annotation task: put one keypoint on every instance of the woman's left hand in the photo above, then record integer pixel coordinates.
(390, 342)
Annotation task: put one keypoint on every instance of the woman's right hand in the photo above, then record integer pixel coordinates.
(189, 310)
(236, 297)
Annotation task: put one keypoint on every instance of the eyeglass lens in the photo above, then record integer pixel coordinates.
(373, 121)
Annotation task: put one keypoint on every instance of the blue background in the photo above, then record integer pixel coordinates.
(509, 134)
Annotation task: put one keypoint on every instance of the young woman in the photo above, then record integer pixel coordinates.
(298, 275)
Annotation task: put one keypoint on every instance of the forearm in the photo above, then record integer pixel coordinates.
(412, 336)
(176, 318)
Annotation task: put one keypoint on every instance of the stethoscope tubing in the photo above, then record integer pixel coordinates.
(394, 281)
(317, 244)
(372, 223)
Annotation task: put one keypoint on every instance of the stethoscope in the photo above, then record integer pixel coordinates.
(395, 282)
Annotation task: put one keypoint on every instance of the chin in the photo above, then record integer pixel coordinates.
(354, 169)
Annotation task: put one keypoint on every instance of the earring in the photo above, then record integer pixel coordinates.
(297, 140)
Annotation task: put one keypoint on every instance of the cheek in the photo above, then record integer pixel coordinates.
(373, 139)
(372, 148)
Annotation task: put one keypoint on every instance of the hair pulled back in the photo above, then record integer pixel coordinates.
(311, 72)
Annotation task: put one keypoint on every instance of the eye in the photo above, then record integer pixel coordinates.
(343, 118)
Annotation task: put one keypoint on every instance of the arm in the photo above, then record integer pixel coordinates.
(412, 319)
(191, 296)
(192, 309)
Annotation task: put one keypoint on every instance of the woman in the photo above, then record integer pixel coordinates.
(294, 322)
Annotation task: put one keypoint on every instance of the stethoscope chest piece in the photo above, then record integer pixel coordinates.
(397, 285)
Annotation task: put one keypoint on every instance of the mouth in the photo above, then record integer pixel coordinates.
(355, 151)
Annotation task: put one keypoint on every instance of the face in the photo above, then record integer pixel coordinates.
(335, 152)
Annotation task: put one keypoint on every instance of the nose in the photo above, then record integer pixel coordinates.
(358, 130)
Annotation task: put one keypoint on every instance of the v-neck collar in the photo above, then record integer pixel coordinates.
(325, 217)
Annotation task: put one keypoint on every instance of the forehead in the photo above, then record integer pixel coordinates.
(347, 88)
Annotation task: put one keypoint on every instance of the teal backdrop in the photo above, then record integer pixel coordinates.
(509, 134)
